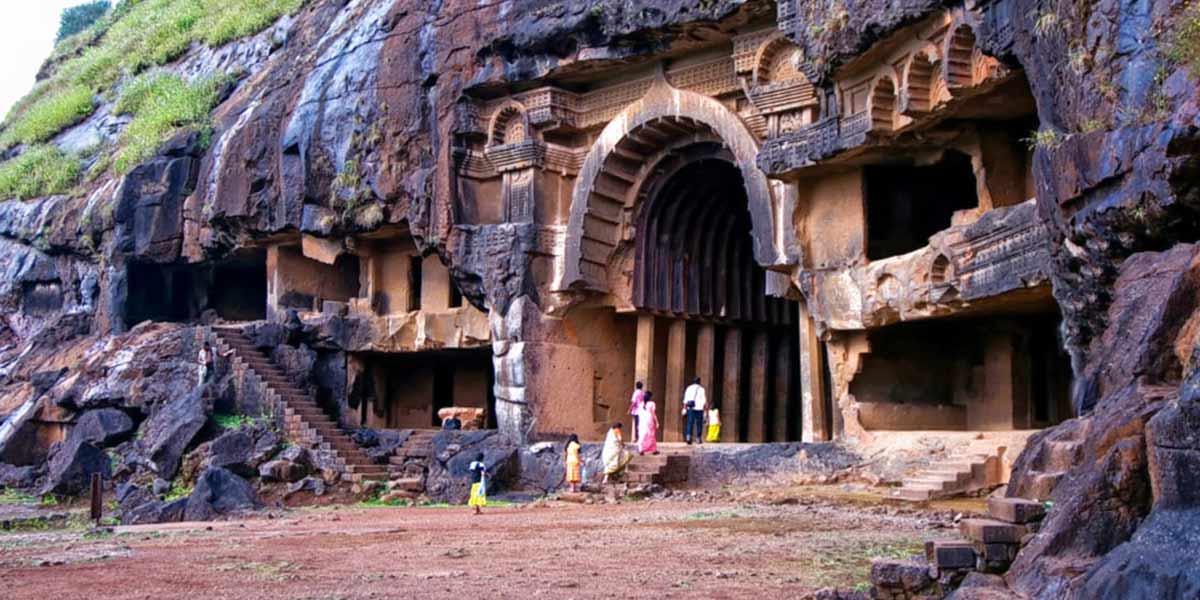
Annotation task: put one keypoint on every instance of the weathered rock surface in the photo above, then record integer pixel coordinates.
(105, 427)
(448, 479)
(169, 431)
(71, 466)
(219, 493)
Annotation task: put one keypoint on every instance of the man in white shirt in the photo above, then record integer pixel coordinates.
(694, 403)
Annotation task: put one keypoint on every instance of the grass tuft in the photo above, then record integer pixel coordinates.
(1184, 45)
(49, 115)
(133, 37)
(233, 421)
(162, 105)
(39, 171)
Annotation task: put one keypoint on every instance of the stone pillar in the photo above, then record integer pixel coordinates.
(731, 392)
(644, 366)
(676, 367)
(273, 283)
(706, 339)
(812, 392)
(783, 389)
(760, 351)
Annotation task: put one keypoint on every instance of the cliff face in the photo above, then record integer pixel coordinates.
(342, 118)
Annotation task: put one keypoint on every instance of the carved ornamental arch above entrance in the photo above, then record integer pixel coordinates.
(606, 190)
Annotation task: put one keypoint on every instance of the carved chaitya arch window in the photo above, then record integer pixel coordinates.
(958, 68)
(776, 62)
(509, 125)
(883, 104)
(920, 86)
(939, 270)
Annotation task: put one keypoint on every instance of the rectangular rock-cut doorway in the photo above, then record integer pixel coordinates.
(964, 374)
(234, 288)
(406, 390)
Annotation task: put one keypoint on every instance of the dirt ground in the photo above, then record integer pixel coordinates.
(775, 544)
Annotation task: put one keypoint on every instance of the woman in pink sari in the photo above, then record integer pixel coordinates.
(648, 425)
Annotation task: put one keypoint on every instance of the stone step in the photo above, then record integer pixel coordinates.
(1015, 510)
(991, 531)
(913, 495)
(950, 554)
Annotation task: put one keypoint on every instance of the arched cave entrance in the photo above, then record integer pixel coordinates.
(698, 286)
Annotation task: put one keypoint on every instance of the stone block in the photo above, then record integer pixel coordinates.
(949, 554)
(997, 553)
(990, 531)
(908, 575)
(1015, 510)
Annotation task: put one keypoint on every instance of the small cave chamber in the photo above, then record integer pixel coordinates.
(234, 288)
(906, 205)
(964, 374)
(305, 284)
(406, 390)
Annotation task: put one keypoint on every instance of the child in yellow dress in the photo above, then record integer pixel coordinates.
(573, 463)
(714, 425)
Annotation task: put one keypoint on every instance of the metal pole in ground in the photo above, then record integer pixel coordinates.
(97, 505)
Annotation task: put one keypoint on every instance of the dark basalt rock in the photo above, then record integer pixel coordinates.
(448, 479)
(233, 451)
(71, 466)
(170, 431)
(218, 493)
(103, 428)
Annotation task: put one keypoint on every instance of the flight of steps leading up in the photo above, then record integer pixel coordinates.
(302, 418)
(669, 467)
(410, 462)
(975, 466)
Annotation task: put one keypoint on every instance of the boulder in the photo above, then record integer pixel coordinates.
(219, 492)
(449, 480)
(282, 471)
(312, 485)
(265, 446)
(233, 451)
(71, 466)
(297, 455)
(155, 511)
(21, 478)
(103, 428)
(170, 430)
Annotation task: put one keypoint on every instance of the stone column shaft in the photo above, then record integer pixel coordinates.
(731, 392)
(812, 393)
(760, 350)
(676, 366)
(783, 389)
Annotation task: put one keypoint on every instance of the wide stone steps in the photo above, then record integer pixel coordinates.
(303, 418)
(669, 468)
(957, 473)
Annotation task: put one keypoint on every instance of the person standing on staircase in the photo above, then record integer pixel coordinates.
(648, 419)
(635, 409)
(208, 363)
(694, 403)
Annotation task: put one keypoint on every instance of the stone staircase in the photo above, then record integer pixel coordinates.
(976, 466)
(408, 465)
(669, 467)
(303, 420)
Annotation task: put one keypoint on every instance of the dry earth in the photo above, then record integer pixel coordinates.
(762, 545)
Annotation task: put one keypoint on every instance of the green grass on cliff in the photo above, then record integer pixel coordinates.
(161, 105)
(39, 171)
(1185, 42)
(91, 66)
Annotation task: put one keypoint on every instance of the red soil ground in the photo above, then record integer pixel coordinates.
(761, 546)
